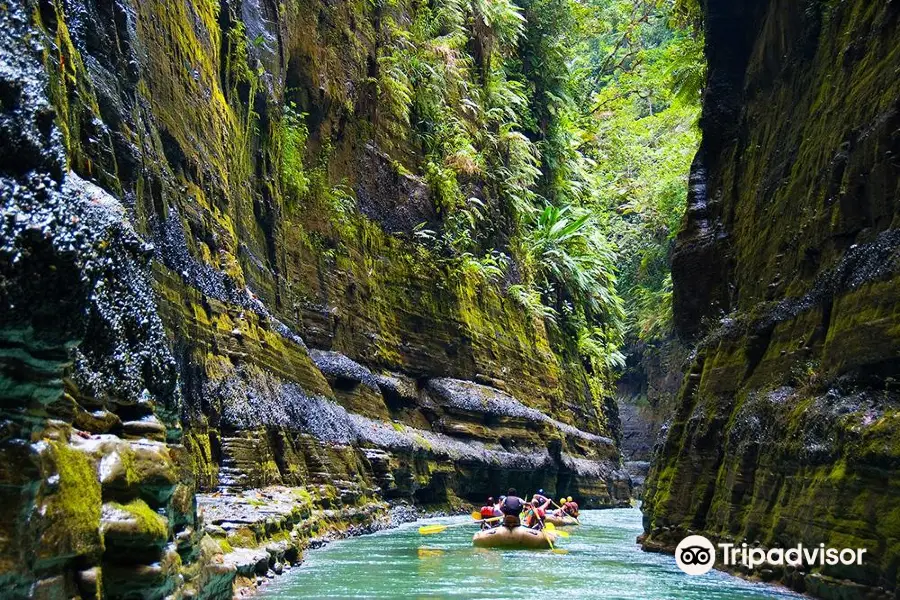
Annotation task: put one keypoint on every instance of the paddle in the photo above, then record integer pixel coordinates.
(552, 529)
(429, 529)
(550, 541)
(549, 528)
(437, 528)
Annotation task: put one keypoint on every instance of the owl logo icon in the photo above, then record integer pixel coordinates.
(695, 555)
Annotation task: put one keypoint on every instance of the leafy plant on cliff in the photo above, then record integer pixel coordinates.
(574, 264)
(293, 146)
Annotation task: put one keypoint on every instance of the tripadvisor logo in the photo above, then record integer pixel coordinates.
(696, 555)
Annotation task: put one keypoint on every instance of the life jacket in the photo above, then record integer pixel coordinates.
(535, 517)
(487, 512)
(513, 505)
(571, 508)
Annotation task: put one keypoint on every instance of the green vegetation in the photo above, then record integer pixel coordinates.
(556, 137)
(644, 128)
(293, 145)
(148, 523)
(73, 508)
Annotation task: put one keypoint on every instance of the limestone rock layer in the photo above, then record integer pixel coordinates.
(177, 330)
(787, 277)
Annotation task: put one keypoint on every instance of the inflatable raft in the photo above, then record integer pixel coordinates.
(515, 538)
(561, 521)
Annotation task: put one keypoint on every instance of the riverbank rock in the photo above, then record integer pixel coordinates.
(787, 279)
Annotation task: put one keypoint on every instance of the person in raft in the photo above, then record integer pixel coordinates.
(568, 507)
(511, 507)
(490, 511)
(539, 498)
(536, 513)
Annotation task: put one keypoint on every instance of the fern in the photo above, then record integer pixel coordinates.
(530, 299)
(503, 17)
(579, 264)
(486, 269)
(293, 146)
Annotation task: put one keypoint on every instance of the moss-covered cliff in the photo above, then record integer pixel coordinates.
(212, 281)
(786, 271)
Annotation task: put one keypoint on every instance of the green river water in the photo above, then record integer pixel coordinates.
(603, 561)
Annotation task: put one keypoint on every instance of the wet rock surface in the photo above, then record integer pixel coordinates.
(786, 278)
(647, 394)
(165, 428)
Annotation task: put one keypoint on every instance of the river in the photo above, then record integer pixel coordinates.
(603, 561)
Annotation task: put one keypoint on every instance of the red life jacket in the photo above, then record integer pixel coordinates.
(487, 512)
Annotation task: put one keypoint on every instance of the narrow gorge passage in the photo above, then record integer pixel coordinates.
(276, 273)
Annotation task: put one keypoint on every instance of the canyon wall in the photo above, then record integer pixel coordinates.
(200, 366)
(787, 278)
(647, 391)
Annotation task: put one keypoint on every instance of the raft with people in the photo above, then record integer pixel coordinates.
(516, 523)
(520, 537)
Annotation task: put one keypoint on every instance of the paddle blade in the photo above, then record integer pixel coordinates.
(550, 527)
(430, 529)
(476, 515)
(561, 533)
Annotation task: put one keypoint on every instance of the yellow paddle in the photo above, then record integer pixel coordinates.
(431, 529)
(552, 549)
(552, 529)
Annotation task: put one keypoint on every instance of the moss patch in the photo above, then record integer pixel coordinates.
(70, 525)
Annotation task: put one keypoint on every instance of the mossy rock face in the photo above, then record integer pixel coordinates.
(786, 426)
(69, 505)
(133, 525)
(138, 469)
(161, 319)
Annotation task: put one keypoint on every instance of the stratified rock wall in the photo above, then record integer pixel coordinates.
(647, 392)
(787, 270)
(177, 318)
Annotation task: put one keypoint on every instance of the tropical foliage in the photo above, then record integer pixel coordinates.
(556, 137)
